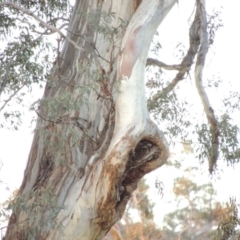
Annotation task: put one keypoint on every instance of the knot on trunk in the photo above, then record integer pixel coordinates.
(144, 152)
(137, 166)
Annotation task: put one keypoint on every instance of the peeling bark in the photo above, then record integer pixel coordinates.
(90, 156)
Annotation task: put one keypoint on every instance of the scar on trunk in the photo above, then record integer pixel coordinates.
(130, 54)
(136, 4)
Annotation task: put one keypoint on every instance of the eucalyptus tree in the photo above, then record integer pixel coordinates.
(94, 139)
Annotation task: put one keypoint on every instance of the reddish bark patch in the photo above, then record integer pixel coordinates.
(130, 54)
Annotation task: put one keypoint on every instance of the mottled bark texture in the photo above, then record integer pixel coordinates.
(94, 139)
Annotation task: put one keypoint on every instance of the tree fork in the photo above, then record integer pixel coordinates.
(114, 150)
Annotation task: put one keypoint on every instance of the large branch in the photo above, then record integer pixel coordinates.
(183, 67)
(201, 31)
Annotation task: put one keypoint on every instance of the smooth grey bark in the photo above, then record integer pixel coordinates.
(94, 139)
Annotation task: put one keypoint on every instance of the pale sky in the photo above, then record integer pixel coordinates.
(15, 145)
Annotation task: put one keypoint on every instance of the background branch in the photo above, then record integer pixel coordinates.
(182, 68)
(155, 62)
(203, 36)
(42, 22)
(199, 43)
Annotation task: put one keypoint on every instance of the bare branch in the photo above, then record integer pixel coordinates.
(46, 32)
(42, 22)
(155, 62)
(185, 65)
(198, 38)
(203, 35)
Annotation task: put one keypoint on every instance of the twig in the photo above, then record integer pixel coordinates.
(11, 96)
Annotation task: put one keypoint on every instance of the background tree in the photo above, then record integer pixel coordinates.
(26, 52)
(197, 213)
(94, 139)
(138, 219)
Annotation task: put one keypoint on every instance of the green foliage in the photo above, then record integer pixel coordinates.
(214, 23)
(102, 22)
(156, 45)
(169, 110)
(229, 140)
(197, 212)
(231, 103)
(42, 210)
(181, 118)
(27, 56)
(26, 52)
(229, 227)
(204, 137)
(4, 212)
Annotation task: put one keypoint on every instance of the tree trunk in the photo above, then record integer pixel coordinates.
(94, 139)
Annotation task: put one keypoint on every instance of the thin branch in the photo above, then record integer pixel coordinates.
(46, 32)
(44, 24)
(58, 18)
(10, 97)
(155, 62)
(203, 35)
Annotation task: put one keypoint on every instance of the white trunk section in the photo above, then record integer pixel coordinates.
(131, 108)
